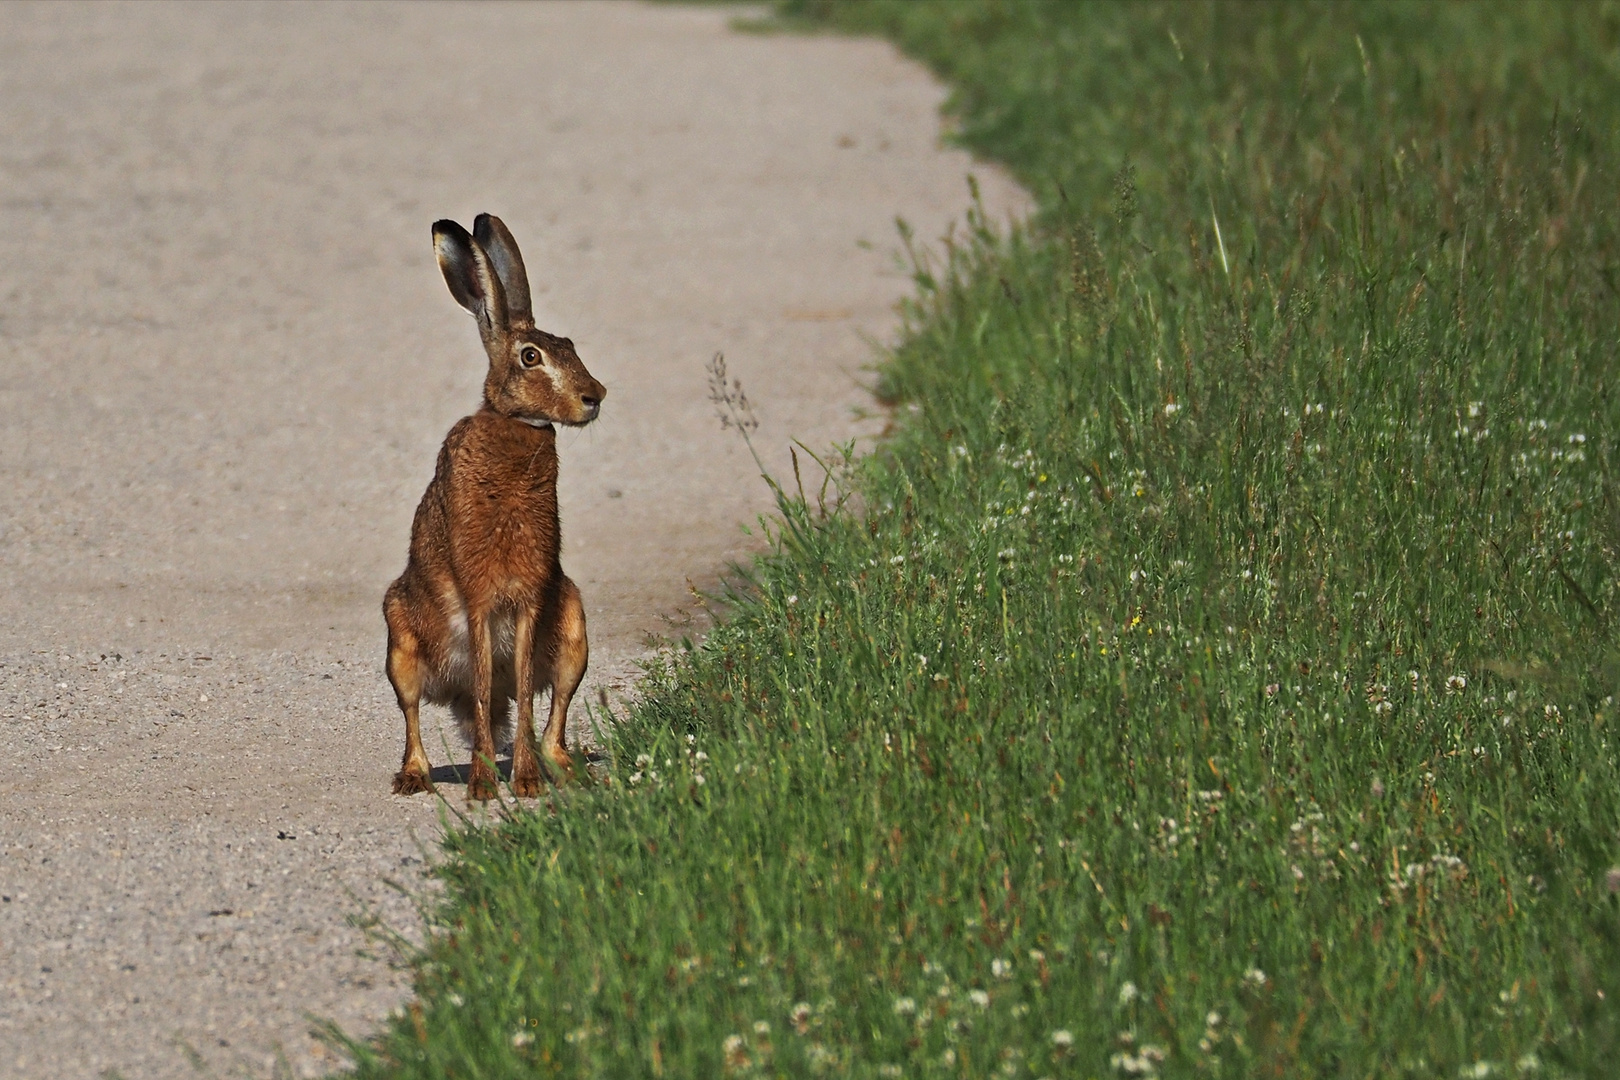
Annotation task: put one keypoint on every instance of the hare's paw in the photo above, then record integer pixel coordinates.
(561, 764)
(410, 782)
(526, 775)
(526, 783)
(482, 783)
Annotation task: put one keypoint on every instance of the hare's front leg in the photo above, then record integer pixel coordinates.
(405, 672)
(481, 780)
(525, 766)
(569, 653)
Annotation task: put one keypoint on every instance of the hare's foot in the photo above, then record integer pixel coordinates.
(561, 764)
(482, 783)
(526, 780)
(411, 782)
(525, 770)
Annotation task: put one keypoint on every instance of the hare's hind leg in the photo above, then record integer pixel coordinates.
(566, 653)
(406, 674)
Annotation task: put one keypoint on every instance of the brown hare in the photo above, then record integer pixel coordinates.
(483, 613)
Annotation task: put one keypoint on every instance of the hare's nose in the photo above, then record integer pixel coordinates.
(590, 402)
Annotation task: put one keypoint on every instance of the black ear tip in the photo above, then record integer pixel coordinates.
(446, 227)
(486, 226)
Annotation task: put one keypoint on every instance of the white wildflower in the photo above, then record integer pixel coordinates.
(1134, 1064)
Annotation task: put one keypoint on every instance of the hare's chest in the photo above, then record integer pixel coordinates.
(507, 529)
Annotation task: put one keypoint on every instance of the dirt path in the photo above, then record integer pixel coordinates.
(226, 363)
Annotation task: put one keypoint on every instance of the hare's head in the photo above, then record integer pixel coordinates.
(533, 376)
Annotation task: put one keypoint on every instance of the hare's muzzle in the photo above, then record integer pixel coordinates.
(591, 402)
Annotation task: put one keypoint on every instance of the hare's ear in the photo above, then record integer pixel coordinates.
(497, 242)
(470, 275)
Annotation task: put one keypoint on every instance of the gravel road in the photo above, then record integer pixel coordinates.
(227, 360)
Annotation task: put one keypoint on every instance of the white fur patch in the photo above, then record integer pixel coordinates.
(459, 662)
(502, 633)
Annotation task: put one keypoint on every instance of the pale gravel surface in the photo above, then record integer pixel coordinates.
(226, 363)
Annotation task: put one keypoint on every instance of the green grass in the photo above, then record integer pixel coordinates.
(1218, 680)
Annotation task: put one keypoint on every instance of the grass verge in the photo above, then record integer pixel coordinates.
(1219, 681)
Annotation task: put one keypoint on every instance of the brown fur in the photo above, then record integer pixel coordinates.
(483, 613)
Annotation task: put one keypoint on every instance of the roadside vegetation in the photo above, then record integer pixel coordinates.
(1217, 676)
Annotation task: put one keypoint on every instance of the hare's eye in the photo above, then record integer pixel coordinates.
(531, 356)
